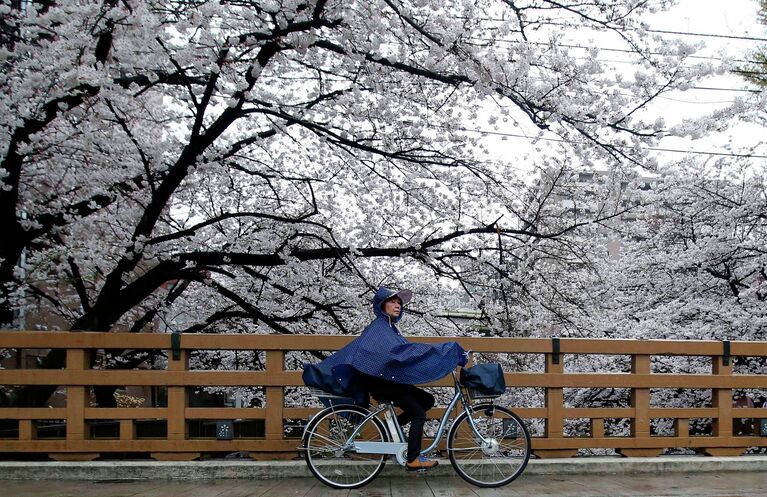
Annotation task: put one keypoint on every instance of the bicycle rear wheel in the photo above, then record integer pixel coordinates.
(330, 459)
(502, 456)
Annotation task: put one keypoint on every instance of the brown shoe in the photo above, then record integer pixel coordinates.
(420, 464)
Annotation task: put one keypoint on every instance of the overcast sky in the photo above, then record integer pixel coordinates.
(721, 22)
(729, 19)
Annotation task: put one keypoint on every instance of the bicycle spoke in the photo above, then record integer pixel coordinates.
(326, 439)
(338, 445)
(495, 458)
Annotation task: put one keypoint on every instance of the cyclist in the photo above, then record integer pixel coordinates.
(383, 363)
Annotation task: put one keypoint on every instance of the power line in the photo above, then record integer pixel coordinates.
(712, 88)
(655, 149)
(707, 35)
(605, 49)
(692, 102)
(624, 28)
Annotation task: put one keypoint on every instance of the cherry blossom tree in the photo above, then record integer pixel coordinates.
(264, 165)
(688, 262)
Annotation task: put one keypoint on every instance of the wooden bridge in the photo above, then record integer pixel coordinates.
(78, 440)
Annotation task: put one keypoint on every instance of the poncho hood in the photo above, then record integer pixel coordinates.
(382, 352)
(384, 294)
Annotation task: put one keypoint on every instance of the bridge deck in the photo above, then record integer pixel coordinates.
(676, 484)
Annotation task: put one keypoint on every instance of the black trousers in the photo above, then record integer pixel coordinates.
(414, 403)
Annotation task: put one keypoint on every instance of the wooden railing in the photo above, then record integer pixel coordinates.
(78, 377)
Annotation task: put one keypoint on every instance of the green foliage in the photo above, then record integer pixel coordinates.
(756, 71)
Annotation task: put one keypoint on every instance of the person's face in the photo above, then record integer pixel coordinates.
(392, 307)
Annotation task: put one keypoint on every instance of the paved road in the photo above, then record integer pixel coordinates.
(676, 484)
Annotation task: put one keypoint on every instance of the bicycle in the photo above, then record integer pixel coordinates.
(347, 446)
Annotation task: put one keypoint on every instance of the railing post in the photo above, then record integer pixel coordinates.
(640, 398)
(127, 429)
(275, 404)
(178, 360)
(554, 400)
(554, 405)
(597, 428)
(78, 398)
(275, 396)
(721, 399)
(640, 401)
(178, 400)
(27, 429)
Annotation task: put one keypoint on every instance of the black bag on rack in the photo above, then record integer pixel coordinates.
(486, 379)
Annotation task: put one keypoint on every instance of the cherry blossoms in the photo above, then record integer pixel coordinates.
(262, 166)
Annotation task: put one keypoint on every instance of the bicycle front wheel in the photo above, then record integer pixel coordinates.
(496, 457)
(329, 455)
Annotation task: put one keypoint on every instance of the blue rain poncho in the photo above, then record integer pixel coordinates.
(382, 352)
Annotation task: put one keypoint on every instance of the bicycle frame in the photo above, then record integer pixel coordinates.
(396, 447)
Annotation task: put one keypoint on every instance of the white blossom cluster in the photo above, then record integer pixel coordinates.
(264, 166)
